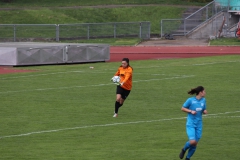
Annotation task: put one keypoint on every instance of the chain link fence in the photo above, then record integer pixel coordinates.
(58, 32)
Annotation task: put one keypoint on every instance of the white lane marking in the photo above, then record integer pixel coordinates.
(223, 117)
(44, 74)
(96, 85)
(96, 71)
(111, 124)
(202, 64)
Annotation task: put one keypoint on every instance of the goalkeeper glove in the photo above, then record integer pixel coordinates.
(112, 78)
(120, 84)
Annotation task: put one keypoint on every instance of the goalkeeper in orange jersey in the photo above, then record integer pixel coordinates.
(125, 72)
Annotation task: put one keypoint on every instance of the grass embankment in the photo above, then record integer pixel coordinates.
(53, 15)
(85, 15)
(69, 3)
(225, 41)
(93, 15)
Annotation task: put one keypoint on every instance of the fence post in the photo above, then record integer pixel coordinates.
(88, 32)
(149, 30)
(184, 25)
(114, 30)
(228, 5)
(206, 12)
(140, 30)
(57, 32)
(161, 26)
(14, 33)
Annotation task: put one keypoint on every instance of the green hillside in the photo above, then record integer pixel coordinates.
(92, 15)
(97, 11)
(64, 3)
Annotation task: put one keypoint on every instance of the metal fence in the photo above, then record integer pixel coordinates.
(184, 26)
(58, 32)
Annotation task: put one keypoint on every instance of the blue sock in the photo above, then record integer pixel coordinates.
(187, 145)
(191, 151)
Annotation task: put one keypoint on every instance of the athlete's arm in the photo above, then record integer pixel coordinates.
(205, 111)
(117, 73)
(188, 110)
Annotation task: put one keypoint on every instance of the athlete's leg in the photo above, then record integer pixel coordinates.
(123, 96)
(119, 92)
(121, 101)
(120, 98)
(193, 143)
(117, 103)
(186, 146)
(191, 133)
(191, 151)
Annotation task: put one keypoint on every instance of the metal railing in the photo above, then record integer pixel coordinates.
(186, 25)
(58, 32)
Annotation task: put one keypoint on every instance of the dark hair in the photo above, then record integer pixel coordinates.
(196, 90)
(126, 59)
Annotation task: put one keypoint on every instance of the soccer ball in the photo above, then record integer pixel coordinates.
(116, 79)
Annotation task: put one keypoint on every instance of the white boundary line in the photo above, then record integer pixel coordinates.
(97, 85)
(37, 75)
(115, 124)
(223, 117)
(200, 64)
(80, 71)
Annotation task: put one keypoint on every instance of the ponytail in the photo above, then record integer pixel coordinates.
(196, 90)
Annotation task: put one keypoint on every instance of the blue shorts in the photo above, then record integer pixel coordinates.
(194, 133)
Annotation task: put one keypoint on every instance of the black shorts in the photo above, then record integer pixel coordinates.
(124, 93)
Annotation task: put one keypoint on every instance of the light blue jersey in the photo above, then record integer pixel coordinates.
(198, 105)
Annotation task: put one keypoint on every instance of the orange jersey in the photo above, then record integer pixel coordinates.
(125, 76)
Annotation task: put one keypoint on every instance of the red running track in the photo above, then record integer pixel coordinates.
(6, 70)
(166, 52)
(156, 52)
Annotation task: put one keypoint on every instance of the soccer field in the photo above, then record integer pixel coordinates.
(65, 111)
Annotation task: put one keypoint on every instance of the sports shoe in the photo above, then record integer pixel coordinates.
(187, 159)
(181, 155)
(115, 115)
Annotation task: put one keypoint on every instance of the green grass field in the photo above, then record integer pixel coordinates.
(65, 111)
(225, 41)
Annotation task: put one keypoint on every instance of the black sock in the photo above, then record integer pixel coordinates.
(120, 105)
(117, 106)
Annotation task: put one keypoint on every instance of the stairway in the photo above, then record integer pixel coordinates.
(194, 20)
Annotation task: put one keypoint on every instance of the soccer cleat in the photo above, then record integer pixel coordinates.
(181, 155)
(187, 159)
(115, 115)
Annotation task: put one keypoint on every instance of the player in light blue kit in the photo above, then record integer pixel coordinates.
(195, 107)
